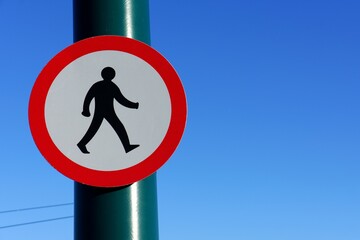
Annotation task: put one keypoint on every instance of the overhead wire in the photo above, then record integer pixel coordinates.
(35, 208)
(35, 222)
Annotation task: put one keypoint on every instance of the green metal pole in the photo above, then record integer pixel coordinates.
(128, 18)
(124, 213)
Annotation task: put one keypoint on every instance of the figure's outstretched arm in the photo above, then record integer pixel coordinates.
(124, 101)
(86, 106)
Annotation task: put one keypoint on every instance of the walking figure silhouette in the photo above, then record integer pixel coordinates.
(104, 92)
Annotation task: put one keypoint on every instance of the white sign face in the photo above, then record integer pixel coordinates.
(107, 111)
(145, 126)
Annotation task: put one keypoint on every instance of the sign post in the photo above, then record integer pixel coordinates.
(108, 112)
(126, 212)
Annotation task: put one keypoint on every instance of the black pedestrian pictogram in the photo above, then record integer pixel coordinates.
(104, 92)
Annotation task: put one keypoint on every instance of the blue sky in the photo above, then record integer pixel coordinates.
(271, 149)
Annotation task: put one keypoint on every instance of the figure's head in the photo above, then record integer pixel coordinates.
(108, 73)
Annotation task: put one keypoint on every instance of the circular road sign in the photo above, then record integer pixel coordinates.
(107, 111)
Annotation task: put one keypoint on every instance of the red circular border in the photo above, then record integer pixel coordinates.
(96, 177)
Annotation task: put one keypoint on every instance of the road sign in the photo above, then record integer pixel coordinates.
(107, 111)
